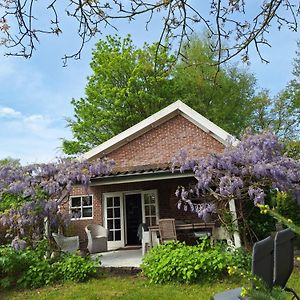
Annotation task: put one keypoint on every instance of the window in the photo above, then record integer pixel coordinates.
(113, 216)
(150, 208)
(81, 207)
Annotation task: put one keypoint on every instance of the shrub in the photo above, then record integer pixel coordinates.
(13, 264)
(76, 268)
(179, 262)
(30, 268)
(41, 273)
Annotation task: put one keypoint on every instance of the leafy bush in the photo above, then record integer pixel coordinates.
(13, 264)
(179, 262)
(76, 268)
(30, 268)
(41, 273)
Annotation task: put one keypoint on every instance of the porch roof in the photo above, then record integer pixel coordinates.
(139, 174)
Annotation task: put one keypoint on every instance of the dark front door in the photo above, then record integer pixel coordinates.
(133, 218)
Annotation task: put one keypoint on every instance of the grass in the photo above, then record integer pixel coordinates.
(131, 287)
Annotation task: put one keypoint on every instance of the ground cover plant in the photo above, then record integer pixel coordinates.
(176, 261)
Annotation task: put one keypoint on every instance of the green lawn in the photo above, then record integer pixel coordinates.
(131, 287)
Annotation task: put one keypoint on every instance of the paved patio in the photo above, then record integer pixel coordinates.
(120, 258)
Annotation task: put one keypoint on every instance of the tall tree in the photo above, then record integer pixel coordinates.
(127, 85)
(281, 114)
(235, 24)
(223, 95)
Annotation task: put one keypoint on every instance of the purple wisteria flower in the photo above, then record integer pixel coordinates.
(246, 171)
(18, 244)
(38, 185)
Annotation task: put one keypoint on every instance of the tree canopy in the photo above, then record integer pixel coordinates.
(224, 95)
(281, 114)
(235, 25)
(129, 84)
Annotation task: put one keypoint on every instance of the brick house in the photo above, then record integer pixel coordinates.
(141, 187)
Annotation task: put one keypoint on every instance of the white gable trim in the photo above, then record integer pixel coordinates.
(176, 108)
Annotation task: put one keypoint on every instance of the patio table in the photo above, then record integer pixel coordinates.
(186, 226)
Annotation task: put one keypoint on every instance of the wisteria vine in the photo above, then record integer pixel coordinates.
(243, 172)
(43, 187)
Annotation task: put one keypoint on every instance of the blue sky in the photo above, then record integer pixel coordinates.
(35, 94)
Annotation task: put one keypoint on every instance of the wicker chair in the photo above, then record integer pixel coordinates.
(167, 230)
(97, 238)
(66, 244)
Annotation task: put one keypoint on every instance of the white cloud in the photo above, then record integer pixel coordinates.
(34, 101)
(9, 112)
(37, 123)
(30, 137)
(34, 118)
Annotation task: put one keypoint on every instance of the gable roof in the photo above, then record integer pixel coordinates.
(167, 113)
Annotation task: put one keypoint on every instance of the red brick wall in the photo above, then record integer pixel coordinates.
(157, 146)
(166, 201)
(162, 143)
(77, 226)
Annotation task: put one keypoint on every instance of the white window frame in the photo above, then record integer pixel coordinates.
(114, 244)
(145, 192)
(81, 207)
(122, 194)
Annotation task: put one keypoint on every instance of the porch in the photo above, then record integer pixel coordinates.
(123, 203)
(122, 258)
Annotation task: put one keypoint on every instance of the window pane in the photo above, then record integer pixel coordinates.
(146, 199)
(148, 221)
(76, 201)
(152, 198)
(87, 201)
(109, 212)
(109, 202)
(153, 221)
(153, 210)
(110, 235)
(87, 212)
(110, 224)
(76, 213)
(117, 212)
(117, 224)
(147, 210)
(117, 235)
(117, 201)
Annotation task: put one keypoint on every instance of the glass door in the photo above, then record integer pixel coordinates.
(113, 219)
